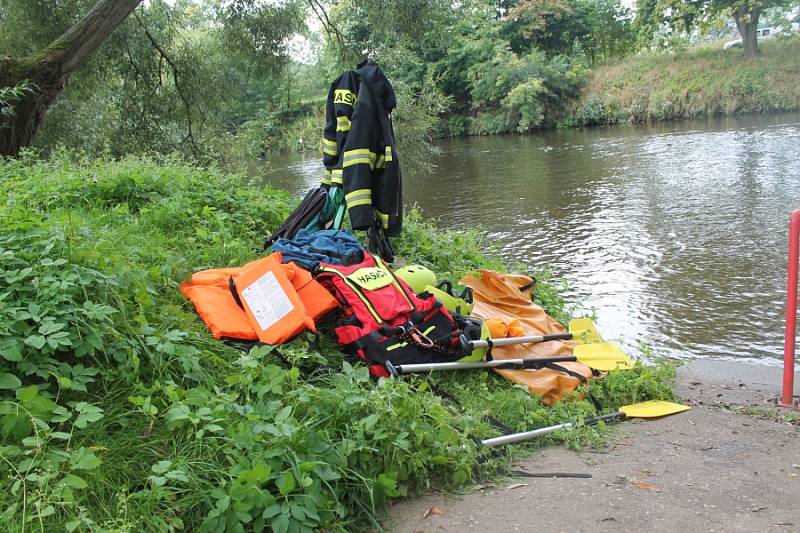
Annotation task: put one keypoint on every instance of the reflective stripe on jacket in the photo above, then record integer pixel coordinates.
(359, 148)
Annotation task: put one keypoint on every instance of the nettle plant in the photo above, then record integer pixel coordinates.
(54, 323)
(296, 455)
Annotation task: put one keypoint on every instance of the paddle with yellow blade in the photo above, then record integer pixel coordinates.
(651, 409)
(581, 330)
(603, 356)
(584, 331)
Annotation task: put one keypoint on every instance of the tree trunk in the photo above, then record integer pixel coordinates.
(747, 22)
(48, 71)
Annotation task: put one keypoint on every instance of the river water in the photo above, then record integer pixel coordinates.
(675, 234)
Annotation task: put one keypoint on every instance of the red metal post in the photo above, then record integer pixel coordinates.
(787, 397)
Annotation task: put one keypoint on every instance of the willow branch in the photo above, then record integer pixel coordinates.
(86, 35)
(330, 28)
(175, 78)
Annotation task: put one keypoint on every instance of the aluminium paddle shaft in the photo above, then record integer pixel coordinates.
(525, 435)
(649, 409)
(486, 343)
(510, 364)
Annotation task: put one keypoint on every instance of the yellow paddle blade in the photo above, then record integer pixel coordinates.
(652, 409)
(605, 356)
(584, 331)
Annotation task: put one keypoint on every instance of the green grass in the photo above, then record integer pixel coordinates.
(703, 82)
(119, 412)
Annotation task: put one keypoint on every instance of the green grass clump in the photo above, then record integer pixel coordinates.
(119, 412)
(703, 82)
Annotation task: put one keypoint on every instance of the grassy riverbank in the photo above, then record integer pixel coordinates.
(119, 412)
(701, 82)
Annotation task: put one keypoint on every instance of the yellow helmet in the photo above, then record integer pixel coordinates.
(416, 276)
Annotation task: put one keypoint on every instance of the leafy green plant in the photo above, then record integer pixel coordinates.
(591, 112)
(10, 96)
(526, 100)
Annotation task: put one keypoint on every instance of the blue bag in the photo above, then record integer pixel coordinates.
(307, 249)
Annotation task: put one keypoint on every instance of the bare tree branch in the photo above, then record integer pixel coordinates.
(175, 78)
(330, 28)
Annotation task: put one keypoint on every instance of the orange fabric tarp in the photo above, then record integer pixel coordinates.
(498, 295)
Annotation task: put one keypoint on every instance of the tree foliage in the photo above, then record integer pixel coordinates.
(176, 76)
(217, 79)
(600, 28)
(685, 15)
(476, 53)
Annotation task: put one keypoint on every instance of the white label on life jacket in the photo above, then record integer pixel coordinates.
(267, 300)
(371, 278)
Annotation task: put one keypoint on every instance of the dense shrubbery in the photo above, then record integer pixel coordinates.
(271, 131)
(521, 93)
(119, 412)
(518, 93)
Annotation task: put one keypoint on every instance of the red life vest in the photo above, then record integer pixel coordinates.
(383, 320)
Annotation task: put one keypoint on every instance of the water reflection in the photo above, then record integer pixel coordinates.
(675, 234)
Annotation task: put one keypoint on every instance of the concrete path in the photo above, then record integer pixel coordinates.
(714, 468)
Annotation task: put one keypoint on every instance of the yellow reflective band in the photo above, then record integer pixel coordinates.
(388, 153)
(359, 200)
(379, 163)
(366, 201)
(329, 147)
(344, 96)
(358, 192)
(326, 180)
(384, 219)
(360, 151)
(359, 156)
(360, 161)
(336, 176)
(343, 126)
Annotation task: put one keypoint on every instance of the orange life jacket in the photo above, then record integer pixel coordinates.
(287, 301)
(217, 308)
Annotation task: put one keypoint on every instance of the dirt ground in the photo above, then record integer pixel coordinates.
(732, 463)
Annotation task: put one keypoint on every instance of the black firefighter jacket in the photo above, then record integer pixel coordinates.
(359, 149)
